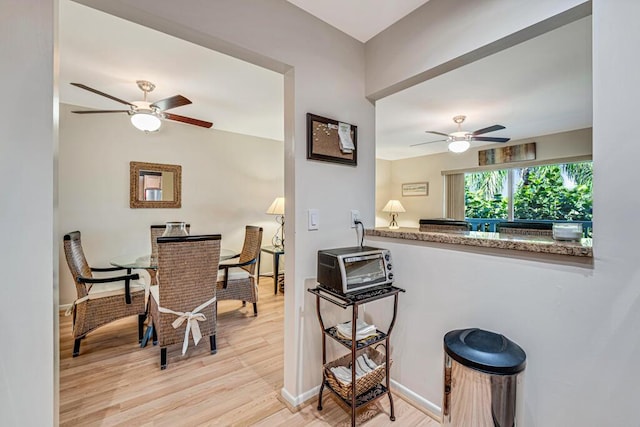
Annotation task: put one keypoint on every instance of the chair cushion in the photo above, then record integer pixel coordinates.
(101, 290)
(235, 273)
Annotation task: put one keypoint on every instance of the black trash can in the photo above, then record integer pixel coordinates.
(483, 374)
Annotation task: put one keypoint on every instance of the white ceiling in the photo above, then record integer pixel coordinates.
(539, 87)
(361, 19)
(110, 54)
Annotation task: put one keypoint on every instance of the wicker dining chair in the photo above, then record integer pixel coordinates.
(239, 281)
(183, 302)
(100, 300)
(157, 230)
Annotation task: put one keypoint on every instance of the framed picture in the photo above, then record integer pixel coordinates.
(329, 140)
(510, 154)
(415, 189)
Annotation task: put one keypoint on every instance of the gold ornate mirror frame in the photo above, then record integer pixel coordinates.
(172, 197)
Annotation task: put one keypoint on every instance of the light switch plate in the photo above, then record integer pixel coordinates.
(313, 219)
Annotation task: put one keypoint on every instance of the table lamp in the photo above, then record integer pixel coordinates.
(277, 208)
(393, 207)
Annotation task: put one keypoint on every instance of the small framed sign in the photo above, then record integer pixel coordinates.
(415, 189)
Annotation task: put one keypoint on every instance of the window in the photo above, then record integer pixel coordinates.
(540, 193)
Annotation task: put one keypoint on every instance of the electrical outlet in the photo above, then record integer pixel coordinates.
(355, 216)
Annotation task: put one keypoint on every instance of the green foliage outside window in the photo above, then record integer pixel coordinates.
(539, 195)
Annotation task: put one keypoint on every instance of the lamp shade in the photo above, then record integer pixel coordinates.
(146, 121)
(393, 206)
(277, 207)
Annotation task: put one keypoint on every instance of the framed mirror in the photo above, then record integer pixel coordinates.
(154, 185)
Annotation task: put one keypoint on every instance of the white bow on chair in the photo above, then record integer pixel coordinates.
(192, 318)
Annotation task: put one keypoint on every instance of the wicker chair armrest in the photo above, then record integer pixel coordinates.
(105, 269)
(93, 280)
(226, 268)
(241, 264)
(127, 282)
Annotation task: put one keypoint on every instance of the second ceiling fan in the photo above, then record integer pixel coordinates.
(145, 115)
(460, 140)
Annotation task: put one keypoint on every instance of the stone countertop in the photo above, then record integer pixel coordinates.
(538, 244)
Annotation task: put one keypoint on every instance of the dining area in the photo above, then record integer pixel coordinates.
(188, 273)
(115, 381)
(211, 325)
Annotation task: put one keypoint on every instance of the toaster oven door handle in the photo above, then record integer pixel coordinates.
(367, 257)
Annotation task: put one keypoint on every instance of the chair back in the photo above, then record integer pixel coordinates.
(76, 261)
(529, 228)
(251, 248)
(158, 231)
(187, 270)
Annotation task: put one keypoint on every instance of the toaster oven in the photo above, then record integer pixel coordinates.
(353, 269)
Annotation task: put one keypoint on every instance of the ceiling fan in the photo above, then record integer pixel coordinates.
(145, 115)
(459, 141)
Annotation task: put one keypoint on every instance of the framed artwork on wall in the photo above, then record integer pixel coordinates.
(415, 189)
(510, 154)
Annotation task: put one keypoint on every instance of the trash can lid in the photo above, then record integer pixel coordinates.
(486, 351)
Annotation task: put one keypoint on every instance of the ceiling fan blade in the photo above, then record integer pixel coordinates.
(437, 133)
(171, 102)
(99, 111)
(90, 89)
(428, 142)
(187, 120)
(487, 130)
(488, 138)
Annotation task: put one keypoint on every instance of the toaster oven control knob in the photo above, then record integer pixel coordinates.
(387, 257)
(390, 276)
(389, 266)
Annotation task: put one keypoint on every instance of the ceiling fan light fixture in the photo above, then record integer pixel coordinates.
(459, 146)
(146, 121)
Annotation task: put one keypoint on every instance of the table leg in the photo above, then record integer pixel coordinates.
(147, 336)
(152, 276)
(276, 270)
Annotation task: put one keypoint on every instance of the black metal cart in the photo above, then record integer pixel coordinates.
(354, 301)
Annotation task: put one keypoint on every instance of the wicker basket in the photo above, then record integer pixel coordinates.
(363, 383)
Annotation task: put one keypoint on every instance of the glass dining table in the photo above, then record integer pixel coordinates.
(145, 262)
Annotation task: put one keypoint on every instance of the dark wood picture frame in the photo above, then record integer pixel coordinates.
(323, 141)
(134, 185)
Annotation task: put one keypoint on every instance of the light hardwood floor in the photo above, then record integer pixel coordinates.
(115, 382)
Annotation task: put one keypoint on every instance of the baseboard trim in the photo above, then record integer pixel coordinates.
(295, 403)
(426, 406)
(64, 307)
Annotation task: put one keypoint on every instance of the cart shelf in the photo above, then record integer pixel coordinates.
(354, 300)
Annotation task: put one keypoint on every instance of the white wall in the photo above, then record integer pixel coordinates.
(228, 181)
(578, 325)
(383, 190)
(423, 45)
(428, 168)
(27, 141)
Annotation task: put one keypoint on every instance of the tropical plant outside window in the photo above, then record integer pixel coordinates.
(541, 193)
